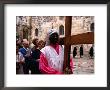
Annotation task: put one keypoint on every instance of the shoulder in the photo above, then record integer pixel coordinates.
(20, 53)
(37, 50)
(33, 48)
(61, 47)
(45, 49)
(21, 49)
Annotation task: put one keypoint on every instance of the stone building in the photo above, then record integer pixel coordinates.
(31, 27)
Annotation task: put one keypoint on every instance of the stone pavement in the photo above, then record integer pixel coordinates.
(83, 65)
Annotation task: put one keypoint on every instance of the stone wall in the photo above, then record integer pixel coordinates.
(80, 24)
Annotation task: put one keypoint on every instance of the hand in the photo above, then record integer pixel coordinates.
(27, 55)
(68, 71)
(21, 62)
(37, 60)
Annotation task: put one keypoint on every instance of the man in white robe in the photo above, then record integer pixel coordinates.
(52, 55)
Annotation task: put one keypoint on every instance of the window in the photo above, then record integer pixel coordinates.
(36, 32)
(61, 30)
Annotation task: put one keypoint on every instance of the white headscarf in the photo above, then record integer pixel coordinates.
(50, 32)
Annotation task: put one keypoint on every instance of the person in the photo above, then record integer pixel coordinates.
(26, 52)
(81, 51)
(74, 52)
(52, 55)
(91, 52)
(19, 61)
(35, 43)
(35, 58)
(19, 44)
(92, 27)
(41, 44)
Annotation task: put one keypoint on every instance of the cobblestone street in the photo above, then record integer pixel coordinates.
(83, 65)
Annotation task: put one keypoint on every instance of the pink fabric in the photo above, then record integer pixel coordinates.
(43, 65)
(71, 64)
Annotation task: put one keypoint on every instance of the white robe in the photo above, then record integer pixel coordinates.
(54, 59)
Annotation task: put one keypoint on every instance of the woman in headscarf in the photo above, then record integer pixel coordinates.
(52, 55)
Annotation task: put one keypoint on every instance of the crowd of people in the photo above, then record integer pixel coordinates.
(27, 58)
(44, 58)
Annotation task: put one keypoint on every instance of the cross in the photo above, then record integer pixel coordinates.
(68, 40)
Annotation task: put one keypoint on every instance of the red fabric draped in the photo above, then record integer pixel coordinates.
(43, 64)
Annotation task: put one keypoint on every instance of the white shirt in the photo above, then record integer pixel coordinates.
(19, 57)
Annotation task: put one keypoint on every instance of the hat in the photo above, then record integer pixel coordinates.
(50, 32)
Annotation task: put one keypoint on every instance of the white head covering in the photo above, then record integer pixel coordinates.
(50, 32)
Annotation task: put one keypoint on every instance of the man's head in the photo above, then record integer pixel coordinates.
(26, 43)
(54, 38)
